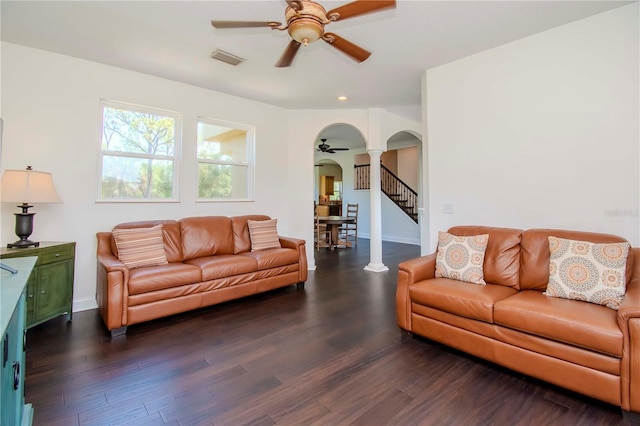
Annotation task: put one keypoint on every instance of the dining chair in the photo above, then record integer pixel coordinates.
(349, 231)
(322, 236)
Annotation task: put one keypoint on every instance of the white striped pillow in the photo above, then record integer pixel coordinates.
(139, 247)
(264, 234)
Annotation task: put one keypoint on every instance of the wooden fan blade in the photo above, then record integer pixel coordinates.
(244, 24)
(340, 149)
(287, 57)
(355, 51)
(360, 7)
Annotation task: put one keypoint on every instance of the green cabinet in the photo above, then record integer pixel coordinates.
(13, 410)
(50, 287)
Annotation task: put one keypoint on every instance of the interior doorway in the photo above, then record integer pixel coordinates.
(328, 188)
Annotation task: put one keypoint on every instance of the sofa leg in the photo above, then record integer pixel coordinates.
(300, 286)
(119, 331)
(406, 334)
(631, 417)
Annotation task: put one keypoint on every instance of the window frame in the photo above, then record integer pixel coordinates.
(249, 164)
(176, 158)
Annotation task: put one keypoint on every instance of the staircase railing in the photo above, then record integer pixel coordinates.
(392, 186)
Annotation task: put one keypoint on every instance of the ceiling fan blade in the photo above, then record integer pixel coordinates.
(244, 24)
(287, 57)
(355, 51)
(340, 149)
(360, 7)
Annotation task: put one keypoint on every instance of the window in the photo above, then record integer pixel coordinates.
(139, 153)
(225, 161)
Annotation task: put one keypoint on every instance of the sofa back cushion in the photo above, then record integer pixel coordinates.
(502, 257)
(170, 237)
(205, 236)
(241, 237)
(534, 261)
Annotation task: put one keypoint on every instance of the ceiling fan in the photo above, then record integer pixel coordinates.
(323, 147)
(305, 24)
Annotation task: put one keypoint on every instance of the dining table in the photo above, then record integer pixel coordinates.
(333, 223)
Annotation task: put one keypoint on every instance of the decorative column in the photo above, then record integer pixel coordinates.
(375, 261)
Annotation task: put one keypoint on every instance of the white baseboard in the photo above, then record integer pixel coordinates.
(84, 304)
(412, 241)
(393, 239)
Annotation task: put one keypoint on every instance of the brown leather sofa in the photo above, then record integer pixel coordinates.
(209, 261)
(587, 348)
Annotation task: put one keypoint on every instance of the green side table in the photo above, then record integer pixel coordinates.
(50, 287)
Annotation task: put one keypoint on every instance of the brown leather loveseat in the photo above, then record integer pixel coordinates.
(585, 347)
(203, 261)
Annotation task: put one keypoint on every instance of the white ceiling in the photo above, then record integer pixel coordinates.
(173, 39)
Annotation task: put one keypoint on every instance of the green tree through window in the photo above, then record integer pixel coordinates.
(138, 153)
(225, 160)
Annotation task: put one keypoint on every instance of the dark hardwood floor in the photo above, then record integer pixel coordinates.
(330, 354)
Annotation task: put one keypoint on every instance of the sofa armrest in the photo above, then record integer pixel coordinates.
(293, 243)
(629, 322)
(111, 284)
(300, 245)
(410, 272)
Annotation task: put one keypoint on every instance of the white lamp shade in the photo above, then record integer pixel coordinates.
(28, 186)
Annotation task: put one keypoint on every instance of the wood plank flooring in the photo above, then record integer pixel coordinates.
(330, 354)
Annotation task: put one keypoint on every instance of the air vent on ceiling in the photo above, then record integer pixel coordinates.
(226, 57)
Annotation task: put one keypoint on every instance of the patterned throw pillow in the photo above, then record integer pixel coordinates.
(139, 247)
(461, 258)
(589, 272)
(264, 234)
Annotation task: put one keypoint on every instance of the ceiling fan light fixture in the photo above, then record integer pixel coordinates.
(306, 20)
(305, 30)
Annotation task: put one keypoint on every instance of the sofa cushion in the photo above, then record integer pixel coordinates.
(154, 278)
(585, 325)
(224, 265)
(263, 234)
(139, 247)
(534, 269)
(461, 258)
(170, 235)
(588, 272)
(502, 257)
(241, 238)
(205, 236)
(273, 258)
(459, 298)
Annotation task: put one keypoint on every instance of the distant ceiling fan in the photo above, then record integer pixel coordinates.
(305, 23)
(323, 147)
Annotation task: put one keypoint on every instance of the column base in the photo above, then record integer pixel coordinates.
(376, 267)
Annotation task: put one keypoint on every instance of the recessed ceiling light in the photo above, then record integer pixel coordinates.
(342, 98)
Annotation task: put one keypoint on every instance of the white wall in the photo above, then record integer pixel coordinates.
(51, 113)
(541, 132)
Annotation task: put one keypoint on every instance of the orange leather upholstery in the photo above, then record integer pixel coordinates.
(210, 261)
(581, 346)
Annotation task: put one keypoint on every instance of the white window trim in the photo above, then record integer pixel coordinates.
(250, 164)
(177, 150)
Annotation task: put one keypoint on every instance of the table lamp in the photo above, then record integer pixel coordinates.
(27, 186)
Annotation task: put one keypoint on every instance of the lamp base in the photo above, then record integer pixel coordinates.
(23, 244)
(24, 228)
